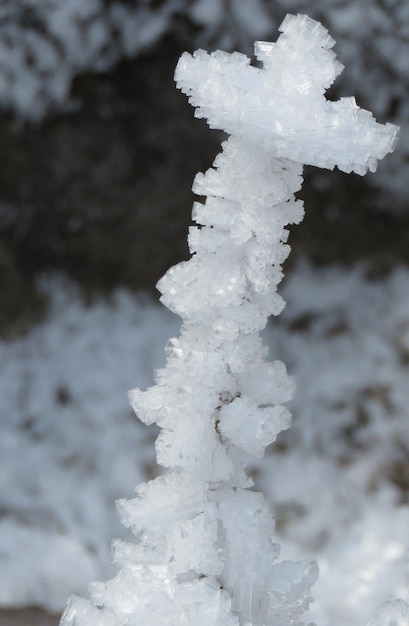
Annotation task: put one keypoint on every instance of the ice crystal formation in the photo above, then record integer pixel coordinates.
(205, 554)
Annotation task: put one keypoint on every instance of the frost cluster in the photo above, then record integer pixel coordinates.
(205, 553)
(283, 107)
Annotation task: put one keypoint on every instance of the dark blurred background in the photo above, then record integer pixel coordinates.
(99, 149)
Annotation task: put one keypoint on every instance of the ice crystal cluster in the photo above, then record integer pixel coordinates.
(205, 552)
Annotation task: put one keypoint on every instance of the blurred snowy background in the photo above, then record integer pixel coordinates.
(98, 155)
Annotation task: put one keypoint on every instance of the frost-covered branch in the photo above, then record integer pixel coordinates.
(205, 553)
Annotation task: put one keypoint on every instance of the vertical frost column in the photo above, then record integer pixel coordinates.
(225, 399)
(205, 554)
(218, 401)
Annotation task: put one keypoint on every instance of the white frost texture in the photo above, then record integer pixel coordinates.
(205, 552)
(282, 107)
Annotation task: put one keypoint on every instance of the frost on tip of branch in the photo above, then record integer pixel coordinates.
(205, 551)
(282, 106)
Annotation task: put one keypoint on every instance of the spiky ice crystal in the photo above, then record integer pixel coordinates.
(205, 554)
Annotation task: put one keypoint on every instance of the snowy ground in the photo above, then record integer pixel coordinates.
(338, 481)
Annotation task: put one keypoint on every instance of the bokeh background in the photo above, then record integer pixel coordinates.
(98, 155)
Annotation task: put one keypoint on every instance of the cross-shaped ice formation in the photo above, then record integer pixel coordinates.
(282, 107)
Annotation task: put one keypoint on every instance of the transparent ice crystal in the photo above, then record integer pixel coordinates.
(205, 551)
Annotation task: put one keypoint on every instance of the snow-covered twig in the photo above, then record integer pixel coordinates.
(205, 554)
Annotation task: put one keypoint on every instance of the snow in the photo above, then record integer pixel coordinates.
(45, 44)
(208, 12)
(69, 442)
(341, 336)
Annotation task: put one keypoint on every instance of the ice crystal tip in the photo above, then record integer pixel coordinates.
(282, 106)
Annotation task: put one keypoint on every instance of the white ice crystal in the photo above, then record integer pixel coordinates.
(282, 107)
(205, 551)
